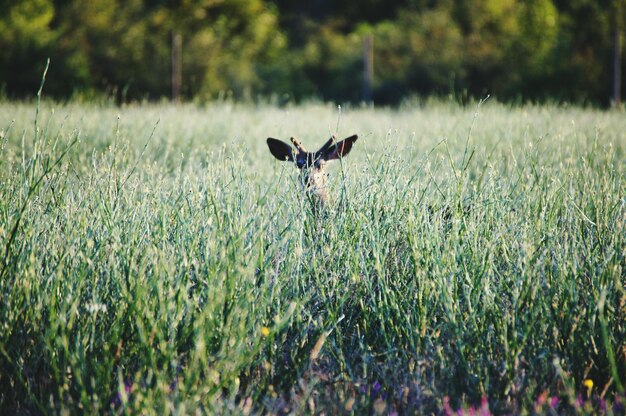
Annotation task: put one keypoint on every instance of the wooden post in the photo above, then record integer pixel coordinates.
(617, 66)
(617, 22)
(177, 65)
(368, 67)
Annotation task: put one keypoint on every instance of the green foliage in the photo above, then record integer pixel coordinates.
(25, 35)
(157, 259)
(421, 52)
(512, 49)
(225, 43)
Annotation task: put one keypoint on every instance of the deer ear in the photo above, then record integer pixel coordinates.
(321, 153)
(280, 150)
(340, 149)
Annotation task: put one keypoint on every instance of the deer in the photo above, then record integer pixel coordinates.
(312, 164)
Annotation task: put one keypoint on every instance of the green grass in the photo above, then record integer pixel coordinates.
(157, 259)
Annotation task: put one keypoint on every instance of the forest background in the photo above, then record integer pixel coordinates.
(292, 50)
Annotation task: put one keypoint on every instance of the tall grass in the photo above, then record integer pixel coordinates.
(157, 259)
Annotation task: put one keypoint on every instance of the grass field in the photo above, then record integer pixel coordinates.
(157, 259)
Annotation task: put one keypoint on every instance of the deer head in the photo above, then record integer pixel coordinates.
(311, 164)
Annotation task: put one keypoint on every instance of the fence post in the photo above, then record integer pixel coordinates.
(368, 68)
(617, 67)
(177, 65)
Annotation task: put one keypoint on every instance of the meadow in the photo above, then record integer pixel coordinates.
(156, 259)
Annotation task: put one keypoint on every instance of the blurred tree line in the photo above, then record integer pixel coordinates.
(294, 49)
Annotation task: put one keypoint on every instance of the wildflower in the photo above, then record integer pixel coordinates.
(376, 387)
(350, 404)
(447, 409)
(554, 402)
(541, 401)
(484, 407)
(246, 406)
(379, 406)
(265, 331)
(589, 384)
(93, 308)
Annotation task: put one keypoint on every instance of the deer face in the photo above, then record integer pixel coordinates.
(311, 164)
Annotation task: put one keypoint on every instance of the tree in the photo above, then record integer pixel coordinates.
(581, 65)
(618, 11)
(224, 43)
(125, 54)
(25, 38)
(420, 52)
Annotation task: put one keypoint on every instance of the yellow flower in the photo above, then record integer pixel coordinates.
(589, 384)
(265, 331)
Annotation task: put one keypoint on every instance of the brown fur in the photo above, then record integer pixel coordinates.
(312, 164)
